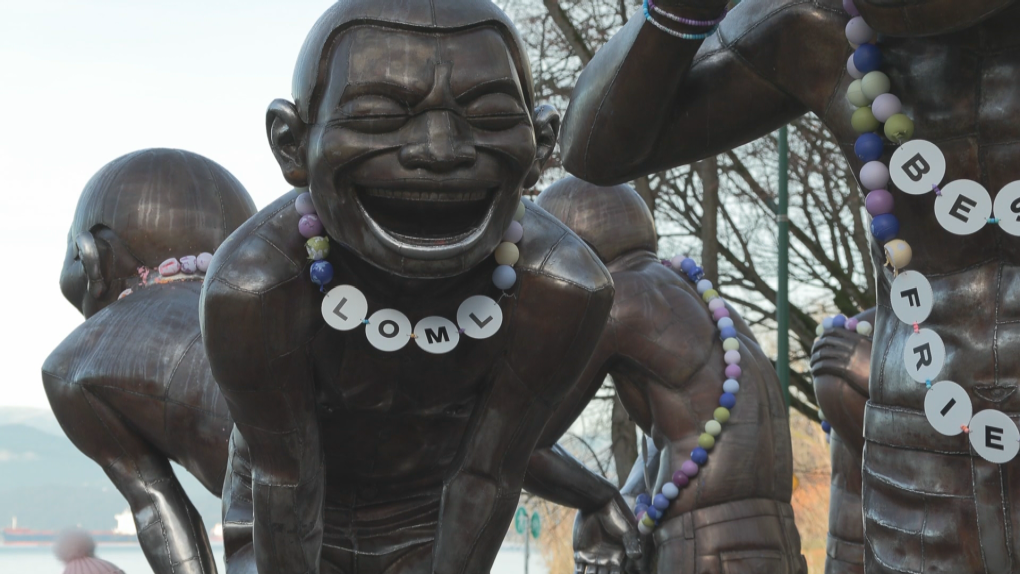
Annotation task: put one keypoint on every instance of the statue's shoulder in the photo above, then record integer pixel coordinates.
(552, 252)
(263, 253)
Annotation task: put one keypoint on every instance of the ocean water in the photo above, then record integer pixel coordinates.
(40, 560)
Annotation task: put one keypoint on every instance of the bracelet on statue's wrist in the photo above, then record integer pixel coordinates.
(712, 25)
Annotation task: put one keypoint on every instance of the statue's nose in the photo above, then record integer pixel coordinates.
(443, 145)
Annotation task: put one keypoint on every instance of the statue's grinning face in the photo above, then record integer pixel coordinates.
(419, 147)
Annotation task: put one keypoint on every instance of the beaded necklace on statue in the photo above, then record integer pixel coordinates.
(962, 207)
(345, 307)
(649, 510)
(187, 268)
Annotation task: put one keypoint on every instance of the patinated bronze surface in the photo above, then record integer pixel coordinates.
(649, 101)
(131, 386)
(414, 129)
(840, 365)
(662, 348)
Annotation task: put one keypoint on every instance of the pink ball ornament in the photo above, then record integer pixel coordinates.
(720, 313)
(886, 106)
(733, 371)
(309, 226)
(851, 324)
(874, 175)
(858, 32)
(514, 233)
(689, 468)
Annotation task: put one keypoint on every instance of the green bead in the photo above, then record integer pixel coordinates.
(863, 121)
(713, 428)
(721, 414)
(730, 344)
(317, 248)
(899, 128)
(709, 295)
(855, 95)
(647, 520)
(519, 215)
(874, 84)
(706, 441)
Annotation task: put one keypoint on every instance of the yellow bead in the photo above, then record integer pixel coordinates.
(898, 254)
(647, 521)
(721, 414)
(864, 121)
(520, 212)
(730, 344)
(856, 95)
(507, 253)
(706, 441)
(709, 295)
(713, 428)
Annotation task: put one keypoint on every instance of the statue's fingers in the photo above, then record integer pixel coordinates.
(591, 569)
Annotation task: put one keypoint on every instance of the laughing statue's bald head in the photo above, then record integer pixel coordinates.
(415, 15)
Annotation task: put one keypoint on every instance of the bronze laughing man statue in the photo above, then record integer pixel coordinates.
(131, 386)
(670, 368)
(384, 423)
(942, 174)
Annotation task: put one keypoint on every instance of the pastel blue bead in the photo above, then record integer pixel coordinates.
(869, 147)
(727, 400)
(725, 322)
(670, 491)
(687, 265)
(699, 456)
(654, 513)
(827, 323)
(731, 386)
(839, 321)
(727, 333)
(826, 426)
(321, 273)
(867, 58)
(644, 499)
(660, 502)
(885, 227)
(504, 277)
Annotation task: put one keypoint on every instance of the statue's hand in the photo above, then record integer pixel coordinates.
(606, 541)
(843, 354)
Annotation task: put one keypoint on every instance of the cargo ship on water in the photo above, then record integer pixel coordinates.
(123, 535)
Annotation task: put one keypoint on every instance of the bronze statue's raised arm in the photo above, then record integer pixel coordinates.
(650, 101)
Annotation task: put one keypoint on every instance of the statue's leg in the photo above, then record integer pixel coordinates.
(740, 537)
(845, 546)
(170, 529)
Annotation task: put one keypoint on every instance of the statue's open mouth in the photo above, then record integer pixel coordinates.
(428, 213)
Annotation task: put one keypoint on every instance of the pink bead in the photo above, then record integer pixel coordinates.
(716, 303)
(675, 262)
(874, 175)
(851, 324)
(852, 10)
(680, 479)
(309, 226)
(514, 233)
(732, 357)
(189, 264)
(720, 313)
(169, 267)
(202, 261)
(689, 468)
(303, 204)
(733, 371)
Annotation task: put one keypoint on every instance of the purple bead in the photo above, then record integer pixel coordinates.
(727, 333)
(839, 321)
(867, 58)
(680, 479)
(869, 147)
(720, 313)
(309, 226)
(690, 468)
(644, 499)
(851, 324)
(852, 10)
(879, 202)
(733, 371)
(687, 264)
(885, 227)
(189, 264)
(514, 233)
(886, 106)
(699, 456)
(303, 204)
(202, 261)
(826, 426)
(321, 273)
(728, 400)
(660, 502)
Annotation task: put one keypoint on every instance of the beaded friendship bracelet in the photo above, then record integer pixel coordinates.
(687, 21)
(682, 35)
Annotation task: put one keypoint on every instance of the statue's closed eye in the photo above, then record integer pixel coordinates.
(494, 112)
(373, 114)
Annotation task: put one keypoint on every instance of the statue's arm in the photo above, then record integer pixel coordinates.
(649, 101)
(480, 497)
(270, 395)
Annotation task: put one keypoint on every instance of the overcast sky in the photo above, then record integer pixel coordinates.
(83, 82)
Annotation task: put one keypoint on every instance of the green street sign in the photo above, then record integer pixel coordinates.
(536, 524)
(521, 520)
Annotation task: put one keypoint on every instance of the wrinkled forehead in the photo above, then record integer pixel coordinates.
(370, 59)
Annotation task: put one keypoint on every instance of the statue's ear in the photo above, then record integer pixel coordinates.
(547, 128)
(286, 131)
(91, 256)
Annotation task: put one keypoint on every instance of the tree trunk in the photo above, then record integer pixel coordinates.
(708, 171)
(624, 435)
